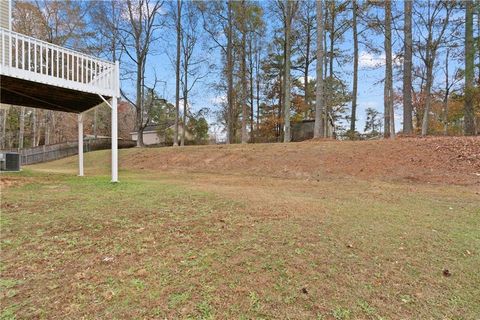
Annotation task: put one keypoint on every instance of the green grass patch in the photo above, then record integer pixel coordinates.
(174, 245)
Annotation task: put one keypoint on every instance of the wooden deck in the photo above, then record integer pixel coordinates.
(37, 95)
(38, 74)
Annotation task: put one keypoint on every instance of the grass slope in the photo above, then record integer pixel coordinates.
(170, 244)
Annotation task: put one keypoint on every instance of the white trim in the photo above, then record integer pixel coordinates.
(108, 103)
(103, 78)
(114, 106)
(80, 144)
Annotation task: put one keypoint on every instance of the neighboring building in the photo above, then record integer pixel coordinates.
(152, 135)
(303, 130)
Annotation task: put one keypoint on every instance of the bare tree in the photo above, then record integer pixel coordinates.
(389, 118)
(407, 69)
(353, 116)
(429, 42)
(22, 128)
(448, 88)
(469, 70)
(288, 9)
(34, 128)
(229, 70)
(257, 65)
(319, 107)
(218, 24)
(178, 18)
(336, 24)
(305, 49)
(191, 66)
(242, 26)
(136, 37)
(3, 138)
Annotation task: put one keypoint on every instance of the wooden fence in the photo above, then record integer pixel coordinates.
(65, 149)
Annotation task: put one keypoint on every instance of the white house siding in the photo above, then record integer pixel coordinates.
(149, 137)
(4, 23)
(5, 14)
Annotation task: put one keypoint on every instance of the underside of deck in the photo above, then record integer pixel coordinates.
(37, 95)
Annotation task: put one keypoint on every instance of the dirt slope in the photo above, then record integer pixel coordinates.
(454, 160)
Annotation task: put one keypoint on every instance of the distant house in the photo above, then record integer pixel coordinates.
(152, 135)
(303, 130)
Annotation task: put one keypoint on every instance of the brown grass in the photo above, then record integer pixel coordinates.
(174, 240)
(435, 160)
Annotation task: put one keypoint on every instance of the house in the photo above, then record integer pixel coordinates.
(303, 130)
(38, 74)
(152, 135)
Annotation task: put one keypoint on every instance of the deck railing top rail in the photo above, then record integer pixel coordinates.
(36, 60)
(52, 45)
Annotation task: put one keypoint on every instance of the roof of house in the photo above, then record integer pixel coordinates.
(155, 127)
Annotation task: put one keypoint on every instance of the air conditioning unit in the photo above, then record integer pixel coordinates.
(9, 161)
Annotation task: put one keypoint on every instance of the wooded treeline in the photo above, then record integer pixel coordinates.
(273, 64)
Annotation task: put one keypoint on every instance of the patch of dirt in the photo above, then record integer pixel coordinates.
(6, 182)
(445, 160)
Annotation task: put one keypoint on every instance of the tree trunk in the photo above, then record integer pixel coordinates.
(445, 98)
(478, 51)
(319, 107)
(47, 127)
(428, 90)
(95, 125)
(53, 121)
(325, 60)
(185, 106)
(429, 63)
(306, 71)
(332, 35)
(34, 127)
(22, 128)
(177, 72)
(139, 103)
(388, 89)
(469, 71)
(280, 107)
(230, 107)
(353, 117)
(3, 138)
(478, 47)
(257, 75)
(407, 70)
(328, 108)
(243, 75)
(288, 22)
(445, 113)
(251, 58)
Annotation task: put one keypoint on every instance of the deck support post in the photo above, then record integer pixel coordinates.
(114, 141)
(115, 124)
(80, 144)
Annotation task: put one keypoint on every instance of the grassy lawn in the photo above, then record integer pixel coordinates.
(221, 246)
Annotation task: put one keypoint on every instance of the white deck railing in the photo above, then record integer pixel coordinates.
(35, 60)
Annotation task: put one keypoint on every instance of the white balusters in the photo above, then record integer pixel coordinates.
(35, 60)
